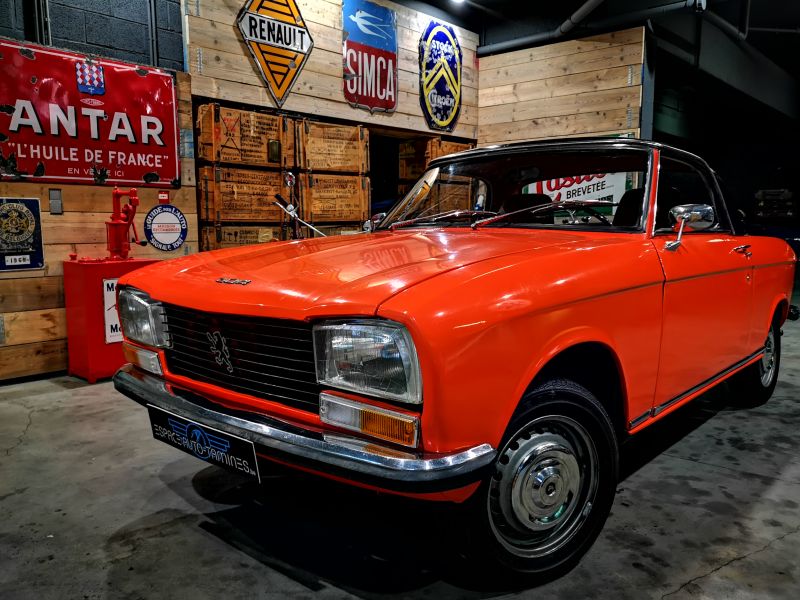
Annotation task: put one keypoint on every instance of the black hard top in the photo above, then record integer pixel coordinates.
(587, 143)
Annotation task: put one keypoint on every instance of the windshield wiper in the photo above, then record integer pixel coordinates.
(543, 208)
(456, 214)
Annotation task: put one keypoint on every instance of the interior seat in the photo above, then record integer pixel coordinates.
(629, 209)
(668, 196)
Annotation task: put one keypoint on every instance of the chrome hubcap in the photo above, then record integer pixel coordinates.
(767, 364)
(544, 486)
(545, 483)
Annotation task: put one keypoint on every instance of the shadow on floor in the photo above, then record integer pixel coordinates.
(320, 533)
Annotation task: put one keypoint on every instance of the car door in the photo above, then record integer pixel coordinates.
(708, 291)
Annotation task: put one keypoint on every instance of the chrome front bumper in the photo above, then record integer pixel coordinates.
(342, 455)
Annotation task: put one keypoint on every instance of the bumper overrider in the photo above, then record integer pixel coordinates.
(340, 456)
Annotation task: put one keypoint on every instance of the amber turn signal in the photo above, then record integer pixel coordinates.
(144, 359)
(370, 420)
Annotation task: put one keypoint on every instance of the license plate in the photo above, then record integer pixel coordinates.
(204, 442)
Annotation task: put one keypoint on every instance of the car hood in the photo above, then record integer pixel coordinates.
(342, 275)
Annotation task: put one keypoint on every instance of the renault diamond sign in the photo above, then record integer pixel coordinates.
(279, 42)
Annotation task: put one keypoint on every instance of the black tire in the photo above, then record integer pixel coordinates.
(551, 489)
(756, 384)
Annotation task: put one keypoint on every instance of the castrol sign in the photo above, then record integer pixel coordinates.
(66, 117)
(603, 187)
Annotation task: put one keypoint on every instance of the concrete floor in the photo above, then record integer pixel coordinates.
(92, 507)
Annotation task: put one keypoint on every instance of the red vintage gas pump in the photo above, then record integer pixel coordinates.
(93, 333)
(121, 223)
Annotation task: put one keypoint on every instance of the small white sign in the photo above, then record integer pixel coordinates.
(111, 316)
(165, 227)
(23, 259)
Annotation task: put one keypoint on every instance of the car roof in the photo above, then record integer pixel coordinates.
(587, 143)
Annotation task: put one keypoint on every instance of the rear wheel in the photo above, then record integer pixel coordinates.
(552, 485)
(756, 383)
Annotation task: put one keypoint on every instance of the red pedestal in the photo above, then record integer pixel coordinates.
(91, 353)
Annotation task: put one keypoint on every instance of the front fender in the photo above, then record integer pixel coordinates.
(483, 334)
(564, 340)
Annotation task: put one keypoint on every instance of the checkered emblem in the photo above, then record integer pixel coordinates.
(91, 79)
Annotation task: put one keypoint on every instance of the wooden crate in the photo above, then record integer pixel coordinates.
(438, 147)
(412, 159)
(335, 197)
(245, 137)
(228, 194)
(327, 147)
(208, 238)
(331, 230)
(403, 189)
(230, 236)
(416, 154)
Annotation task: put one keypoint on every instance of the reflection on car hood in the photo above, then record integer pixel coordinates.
(342, 275)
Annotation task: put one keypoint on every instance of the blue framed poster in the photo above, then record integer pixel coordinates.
(20, 234)
(370, 55)
(440, 59)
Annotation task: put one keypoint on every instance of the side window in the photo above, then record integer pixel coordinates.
(681, 183)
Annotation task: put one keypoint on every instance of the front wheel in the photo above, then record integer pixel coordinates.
(552, 486)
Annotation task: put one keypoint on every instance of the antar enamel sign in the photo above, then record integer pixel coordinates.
(370, 55)
(279, 42)
(440, 59)
(66, 117)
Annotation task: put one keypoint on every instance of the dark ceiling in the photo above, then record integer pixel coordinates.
(500, 20)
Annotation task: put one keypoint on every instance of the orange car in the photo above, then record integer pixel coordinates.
(490, 342)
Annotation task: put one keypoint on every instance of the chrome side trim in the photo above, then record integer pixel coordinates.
(785, 263)
(272, 434)
(662, 407)
(640, 419)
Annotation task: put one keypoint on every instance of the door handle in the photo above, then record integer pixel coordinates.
(743, 249)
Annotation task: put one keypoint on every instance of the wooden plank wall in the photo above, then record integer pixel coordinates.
(222, 68)
(591, 86)
(32, 302)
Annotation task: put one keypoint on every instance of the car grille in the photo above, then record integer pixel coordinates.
(270, 358)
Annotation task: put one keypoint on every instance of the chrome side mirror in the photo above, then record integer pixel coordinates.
(371, 223)
(700, 216)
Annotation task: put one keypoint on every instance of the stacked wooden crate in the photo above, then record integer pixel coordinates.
(334, 186)
(245, 157)
(416, 154)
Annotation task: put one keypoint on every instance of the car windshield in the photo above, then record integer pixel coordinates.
(553, 189)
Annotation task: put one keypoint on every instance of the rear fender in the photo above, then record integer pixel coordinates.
(780, 307)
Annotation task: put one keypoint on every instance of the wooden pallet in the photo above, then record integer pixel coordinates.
(590, 86)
